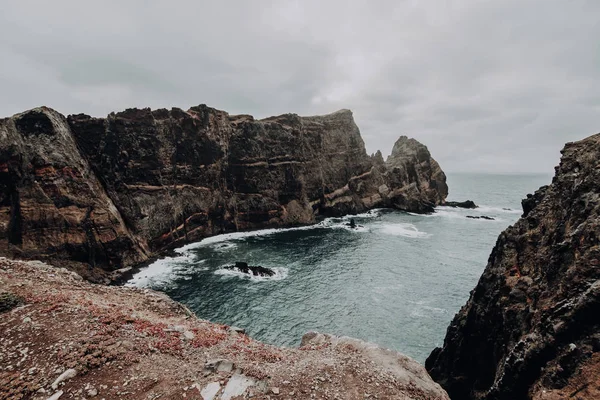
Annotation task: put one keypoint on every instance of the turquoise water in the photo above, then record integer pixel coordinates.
(396, 281)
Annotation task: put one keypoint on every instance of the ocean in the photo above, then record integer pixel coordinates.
(397, 280)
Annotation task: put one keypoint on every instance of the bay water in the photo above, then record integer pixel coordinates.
(396, 280)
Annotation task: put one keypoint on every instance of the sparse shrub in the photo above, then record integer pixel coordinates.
(8, 301)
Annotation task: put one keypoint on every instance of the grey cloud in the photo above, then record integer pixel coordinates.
(494, 85)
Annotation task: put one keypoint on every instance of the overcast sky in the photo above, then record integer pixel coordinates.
(494, 86)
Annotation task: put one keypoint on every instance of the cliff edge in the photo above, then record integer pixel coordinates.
(62, 337)
(99, 194)
(531, 328)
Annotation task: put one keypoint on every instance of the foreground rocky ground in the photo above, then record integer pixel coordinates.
(64, 338)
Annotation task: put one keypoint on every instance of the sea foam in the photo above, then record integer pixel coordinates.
(280, 273)
(403, 229)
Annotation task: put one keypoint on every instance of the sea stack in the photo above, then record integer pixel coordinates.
(531, 328)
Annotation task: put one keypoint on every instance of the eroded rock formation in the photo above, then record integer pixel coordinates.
(112, 191)
(51, 203)
(531, 328)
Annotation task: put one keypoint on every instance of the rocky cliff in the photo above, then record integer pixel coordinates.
(110, 192)
(531, 328)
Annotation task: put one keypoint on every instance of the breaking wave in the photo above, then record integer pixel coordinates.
(280, 273)
(404, 229)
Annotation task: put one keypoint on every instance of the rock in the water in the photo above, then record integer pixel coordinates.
(530, 328)
(56, 395)
(480, 217)
(251, 270)
(111, 192)
(236, 386)
(8, 301)
(460, 204)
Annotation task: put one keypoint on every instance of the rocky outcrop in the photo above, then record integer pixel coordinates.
(461, 204)
(415, 177)
(530, 328)
(114, 342)
(112, 191)
(255, 270)
(51, 203)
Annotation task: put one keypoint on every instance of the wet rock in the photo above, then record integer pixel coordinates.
(251, 270)
(460, 204)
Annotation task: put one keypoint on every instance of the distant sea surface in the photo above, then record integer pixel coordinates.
(397, 280)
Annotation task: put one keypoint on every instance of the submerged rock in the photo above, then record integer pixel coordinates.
(480, 217)
(460, 204)
(530, 329)
(251, 270)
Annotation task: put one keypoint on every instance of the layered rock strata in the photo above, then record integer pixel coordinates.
(110, 192)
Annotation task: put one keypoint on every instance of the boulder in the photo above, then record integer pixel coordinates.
(251, 270)
(460, 204)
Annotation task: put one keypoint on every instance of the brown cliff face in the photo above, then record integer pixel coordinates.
(112, 191)
(531, 328)
(50, 201)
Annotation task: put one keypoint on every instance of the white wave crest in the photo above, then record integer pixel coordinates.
(162, 270)
(404, 229)
(328, 223)
(223, 247)
(498, 210)
(280, 273)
